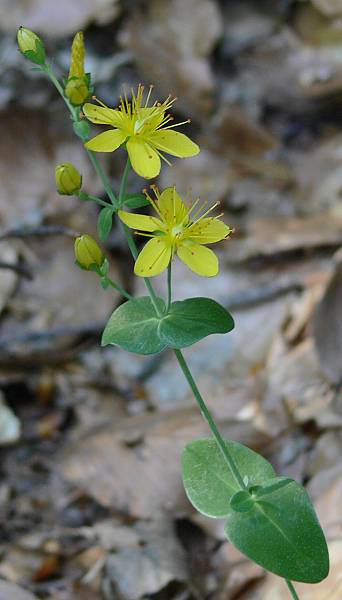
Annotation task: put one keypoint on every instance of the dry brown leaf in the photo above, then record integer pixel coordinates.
(10, 591)
(183, 34)
(134, 464)
(53, 296)
(318, 176)
(35, 144)
(328, 328)
(236, 133)
(154, 560)
(8, 277)
(56, 19)
(266, 237)
(316, 28)
(330, 8)
(297, 390)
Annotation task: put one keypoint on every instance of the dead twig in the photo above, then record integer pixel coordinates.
(19, 269)
(40, 231)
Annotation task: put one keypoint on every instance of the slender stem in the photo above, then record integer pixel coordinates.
(169, 287)
(122, 192)
(94, 199)
(292, 590)
(48, 70)
(120, 289)
(103, 177)
(207, 416)
(75, 116)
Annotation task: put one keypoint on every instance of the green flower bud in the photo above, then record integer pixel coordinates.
(31, 46)
(68, 179)
(77, 90)
(88, 253)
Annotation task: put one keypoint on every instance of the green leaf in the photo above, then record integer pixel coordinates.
(134, 327)
(207, 479)
(281, 533)
(242, 501)
(105, 222)
(188, 321)
(136, 200)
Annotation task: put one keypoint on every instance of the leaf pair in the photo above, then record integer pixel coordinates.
(272, 522)
(137, 327)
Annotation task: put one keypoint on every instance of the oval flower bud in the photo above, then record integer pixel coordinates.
(77, 90)
(77, 87)
(31, 46)
(68, 179)
(88, 253)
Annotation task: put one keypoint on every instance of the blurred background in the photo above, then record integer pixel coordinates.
(91, 498)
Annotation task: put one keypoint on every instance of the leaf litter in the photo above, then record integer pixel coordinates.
(91, 495)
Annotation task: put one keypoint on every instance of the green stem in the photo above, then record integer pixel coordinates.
(169, 287)
(207, 416)
(75, 116)
(103, 177)
(85, 197)
(130, 240)
(118, 288)
(48, 70)
(292, 590)
(122, 192)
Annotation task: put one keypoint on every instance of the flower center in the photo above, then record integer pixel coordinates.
(177, 231)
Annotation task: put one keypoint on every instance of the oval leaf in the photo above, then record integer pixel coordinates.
(242, 501)
(207, 479)
(188, 321)
(282, 534)
(105, 222)
(134, 327)
(136, 201)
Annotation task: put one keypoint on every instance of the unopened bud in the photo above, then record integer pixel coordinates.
(88, 253)
(31, 46)
(77, 90)
(77, 87)
(68, 179)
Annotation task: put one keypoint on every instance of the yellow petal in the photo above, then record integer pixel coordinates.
(144, 160)
(101, 115)
(141, 222)
(172, 206)
(199, 259)
(108, 141)
(208, 231)
(153, 259)
(174, 143)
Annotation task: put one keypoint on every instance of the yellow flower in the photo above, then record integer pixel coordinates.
(146, 130)
(180, 230)
(77, 86)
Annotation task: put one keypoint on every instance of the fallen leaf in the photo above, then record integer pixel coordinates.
(8, 277)
(184, 34)
(267, 237)
(154, 560)
(150, 484)
(56, 20)
(10, 426)
(10, 591)
(327, 324)
(330, 8)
